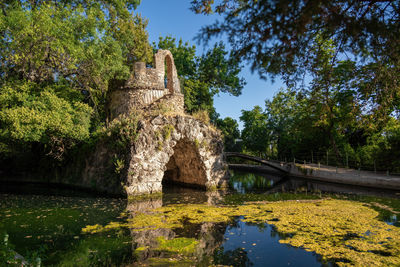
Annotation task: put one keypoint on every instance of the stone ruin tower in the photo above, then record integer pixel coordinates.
(170, 148)
(149, 85)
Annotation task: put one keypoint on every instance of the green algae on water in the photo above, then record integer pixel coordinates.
(179, 245)
(346, 232)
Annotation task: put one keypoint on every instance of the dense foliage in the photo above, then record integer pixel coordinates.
(276, 36)
(57, 59)
(328, 116)
(340, 61)
(294, 125)
(230, 130)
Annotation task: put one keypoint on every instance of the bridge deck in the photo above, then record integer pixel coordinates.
(273, 164)
(322, 173)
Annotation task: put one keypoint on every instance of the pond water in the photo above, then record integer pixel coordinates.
(265, 220)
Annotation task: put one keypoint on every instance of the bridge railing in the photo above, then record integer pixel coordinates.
(329, 159)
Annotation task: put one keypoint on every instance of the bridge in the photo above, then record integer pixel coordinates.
(275, 165)
(331, 174)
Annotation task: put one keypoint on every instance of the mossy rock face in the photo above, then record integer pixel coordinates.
(345, 232)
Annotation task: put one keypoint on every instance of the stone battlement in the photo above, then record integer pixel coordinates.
(147, 85)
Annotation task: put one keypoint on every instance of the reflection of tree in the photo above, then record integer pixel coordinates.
(236, 257)
(245, 182)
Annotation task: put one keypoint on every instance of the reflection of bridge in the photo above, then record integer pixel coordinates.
(319, 172)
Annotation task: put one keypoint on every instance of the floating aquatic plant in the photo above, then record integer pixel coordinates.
(345, 232)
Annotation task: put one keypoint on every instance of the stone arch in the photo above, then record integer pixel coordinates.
(179, 149)
(161, 58)
(185, 166)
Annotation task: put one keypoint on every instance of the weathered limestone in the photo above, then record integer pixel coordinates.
(178, 149)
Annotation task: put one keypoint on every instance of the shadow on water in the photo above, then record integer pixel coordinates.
(49, 189)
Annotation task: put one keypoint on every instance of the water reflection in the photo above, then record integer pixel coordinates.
(208, 236)
(392, 219)
(258, 245)
(235, 243)
(242, 182)
(50, 227)
(252, 182)
(187, 195)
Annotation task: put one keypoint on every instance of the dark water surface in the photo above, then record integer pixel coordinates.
(46, 227)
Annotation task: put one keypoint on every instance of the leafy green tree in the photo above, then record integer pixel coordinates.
(53, 116)
(230, 130)
(382, 148)
(340, 60)
(288, 122)
(86, 43)
(330, 94)
(256, 134)
(277, 37)
(57, 59)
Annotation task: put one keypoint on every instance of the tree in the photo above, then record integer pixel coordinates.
(230, 130)
(256, 133)
(331, 96)
(277, 37)
(53, 116)
(57, 59)
(289, 124)
(86, 43)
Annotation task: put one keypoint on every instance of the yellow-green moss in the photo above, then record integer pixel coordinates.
(167, 130)
(93, 229)
(140, 249)
(346, 232)
(197, 143)
(180, 245)
(181, 262)
(337, 229)
(174, 216)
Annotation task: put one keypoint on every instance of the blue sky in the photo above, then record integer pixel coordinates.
(173, 17)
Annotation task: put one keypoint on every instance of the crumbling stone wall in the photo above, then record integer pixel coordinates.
(147, 85)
